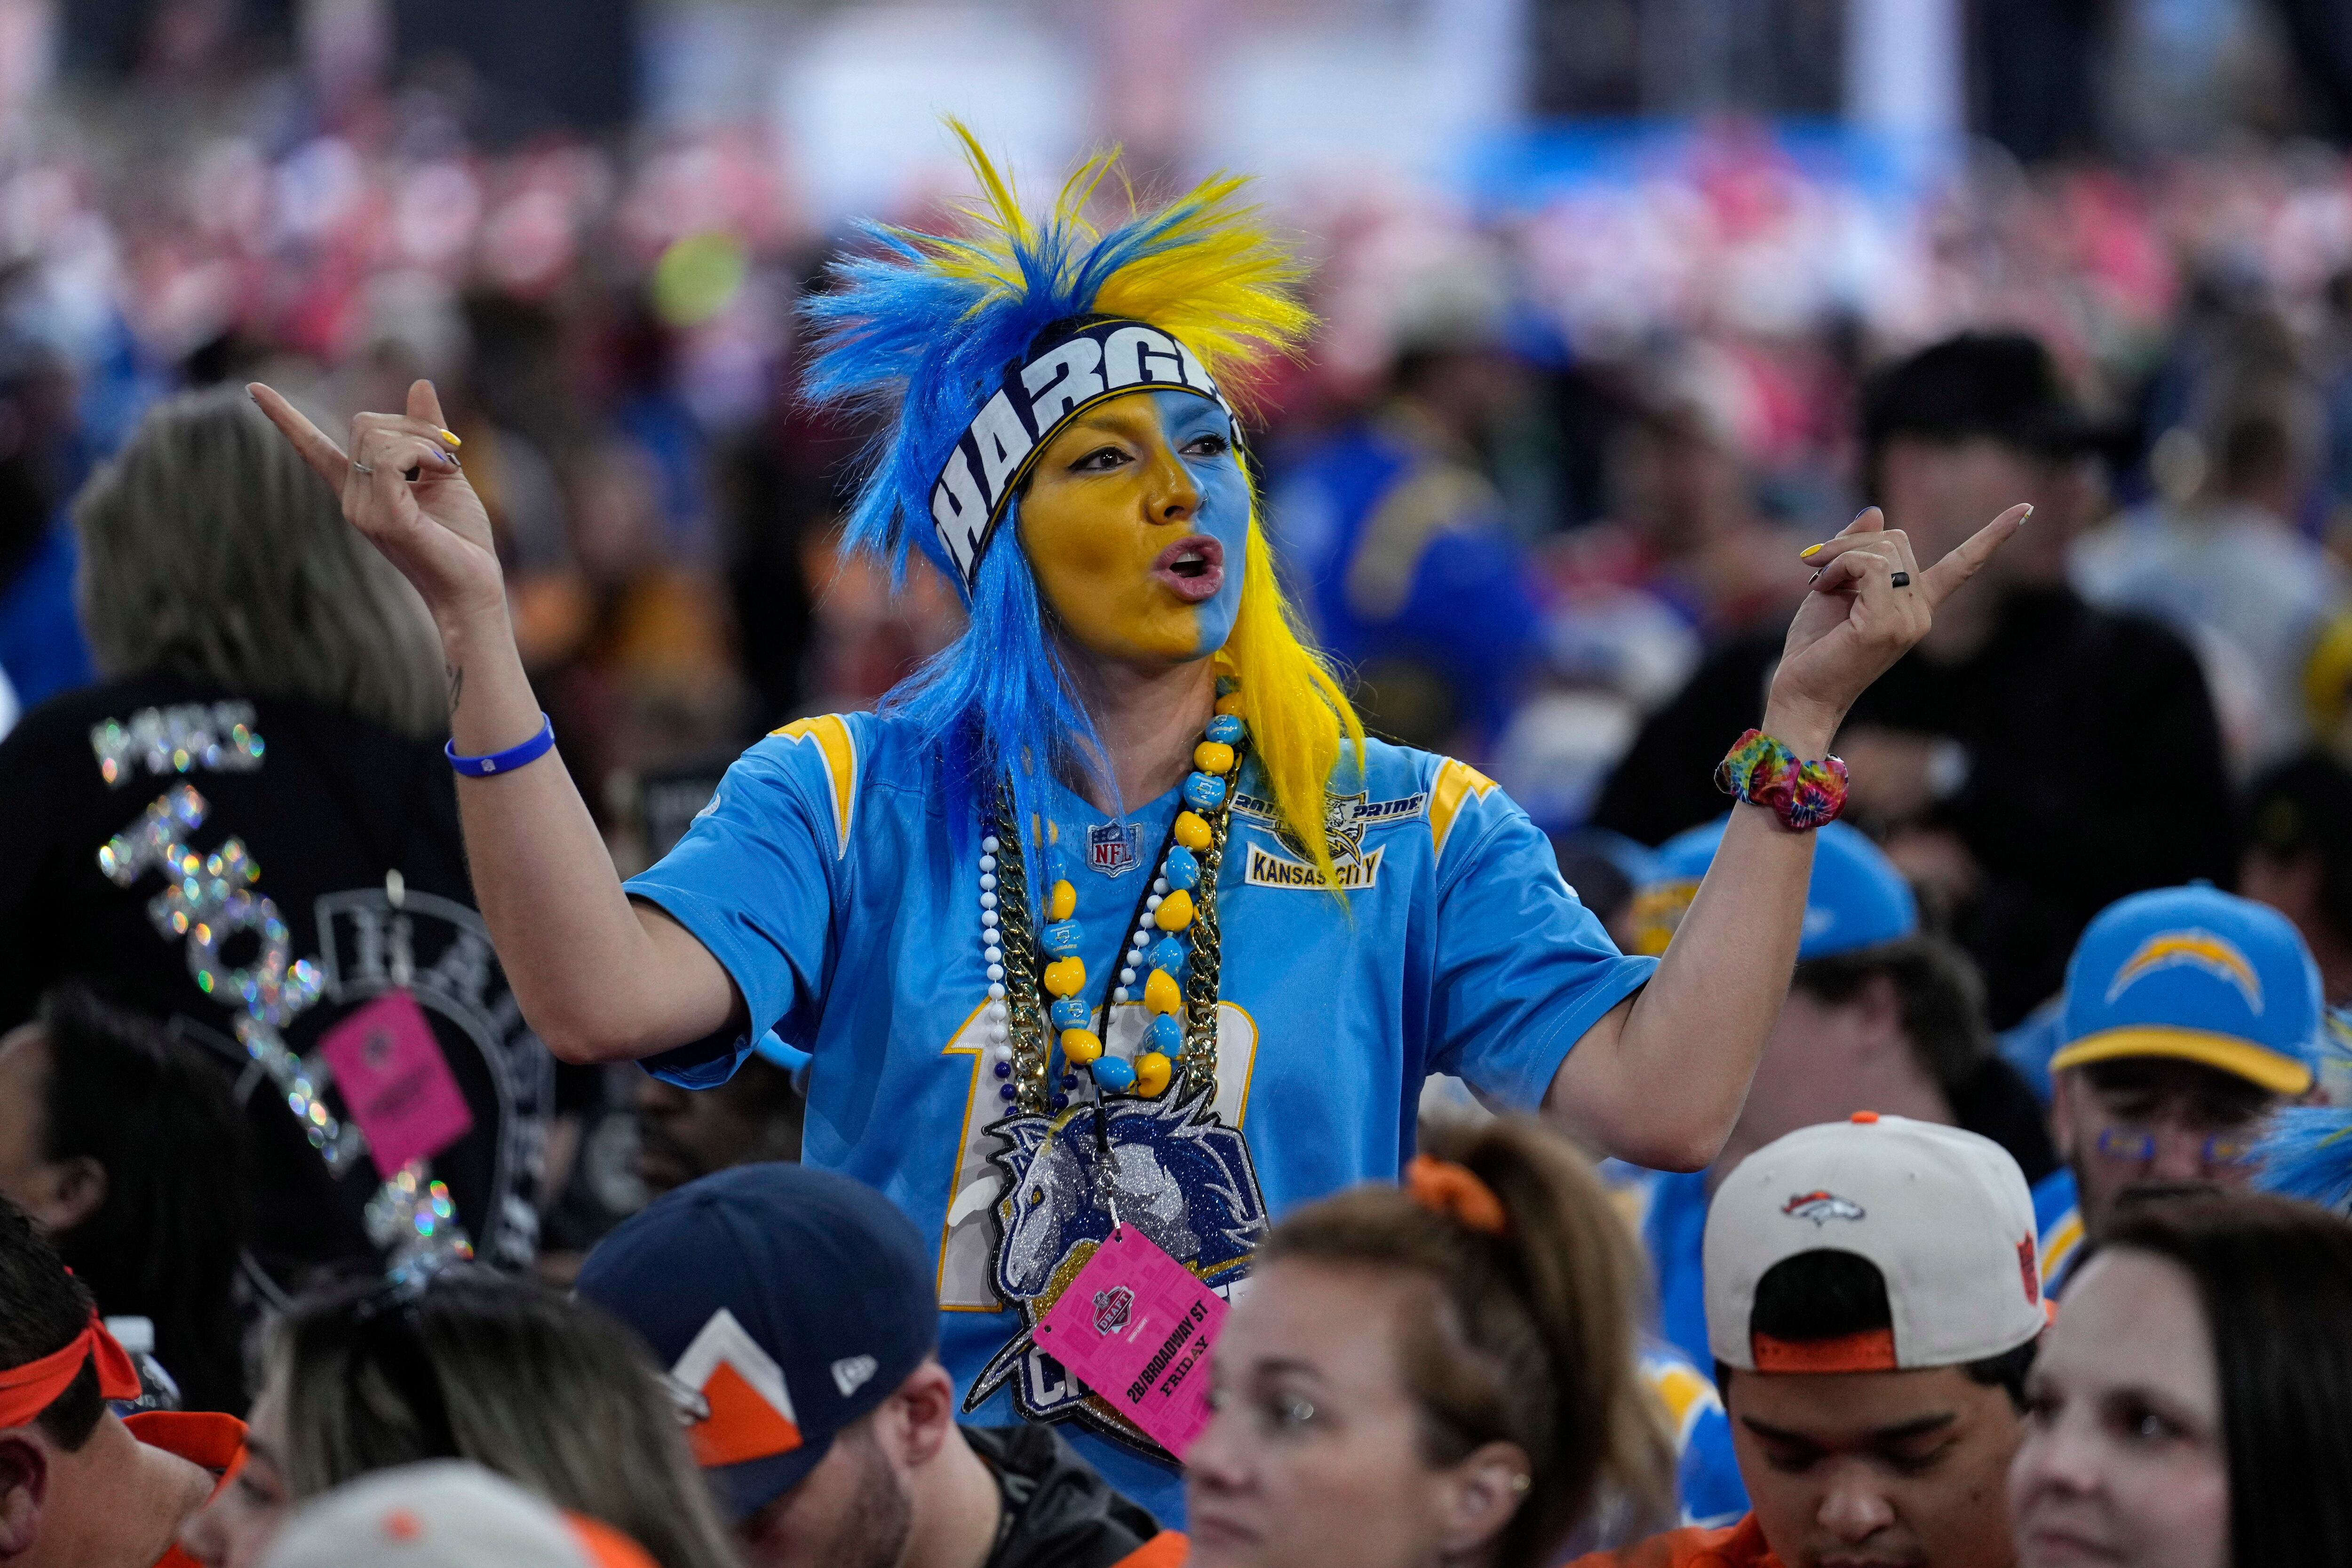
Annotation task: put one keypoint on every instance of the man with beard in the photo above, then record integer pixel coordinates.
(796, 1311)
(2190, 1015)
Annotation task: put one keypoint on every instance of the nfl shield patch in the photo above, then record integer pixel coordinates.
(1114, 848)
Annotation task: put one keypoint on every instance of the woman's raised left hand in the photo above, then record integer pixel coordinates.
(1856, 620)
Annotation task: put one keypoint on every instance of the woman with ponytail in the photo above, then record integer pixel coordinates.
(1441, 1372)
(1112, 907)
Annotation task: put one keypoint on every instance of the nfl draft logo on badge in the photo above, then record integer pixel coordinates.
(1114, 848)
(1112, 1308)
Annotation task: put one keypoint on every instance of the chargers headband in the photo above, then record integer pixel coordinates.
(1057, 381)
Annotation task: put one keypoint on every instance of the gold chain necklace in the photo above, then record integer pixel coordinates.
(1026, 1044)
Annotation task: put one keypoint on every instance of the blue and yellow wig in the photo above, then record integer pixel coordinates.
(921, 332)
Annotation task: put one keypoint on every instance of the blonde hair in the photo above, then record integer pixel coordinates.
(210, 551)
(550, 1393)
(1298, 711)
(1533, 1341)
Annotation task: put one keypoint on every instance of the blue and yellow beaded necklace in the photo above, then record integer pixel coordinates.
(1172, 948)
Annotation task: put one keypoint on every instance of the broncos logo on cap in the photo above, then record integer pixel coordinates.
(2216, 955)
(735, 1394)
(1822, 1207)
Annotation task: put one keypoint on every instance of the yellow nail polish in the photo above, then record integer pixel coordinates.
(1810, 551)
(2027, 517)
(451, 436)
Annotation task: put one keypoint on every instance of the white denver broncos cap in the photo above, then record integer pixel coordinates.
(1944, 1215)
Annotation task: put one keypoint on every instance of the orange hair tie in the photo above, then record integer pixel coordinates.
(1455, 1191)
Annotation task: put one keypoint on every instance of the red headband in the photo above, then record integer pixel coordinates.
(26, 1391)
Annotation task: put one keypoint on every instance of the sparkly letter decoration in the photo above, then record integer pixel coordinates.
(208, 900)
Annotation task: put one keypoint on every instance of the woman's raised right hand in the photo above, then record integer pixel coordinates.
(401, 486)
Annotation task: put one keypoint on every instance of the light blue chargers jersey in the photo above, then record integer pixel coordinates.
(2058, 1229)
(826, 879)
(1708, 1485)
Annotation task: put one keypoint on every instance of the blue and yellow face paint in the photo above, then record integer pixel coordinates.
(982, 346)
(1136, 523)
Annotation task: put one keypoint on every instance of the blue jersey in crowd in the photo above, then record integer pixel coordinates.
(1707, 1488)
(1671, 1216)
(825, 876)
(2058, 1225)
(1400, 550)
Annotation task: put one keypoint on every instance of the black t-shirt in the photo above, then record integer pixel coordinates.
(2094, 770)
(1058, 1512)
(324, 806)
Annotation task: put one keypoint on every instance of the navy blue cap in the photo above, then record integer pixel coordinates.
(785, 1302)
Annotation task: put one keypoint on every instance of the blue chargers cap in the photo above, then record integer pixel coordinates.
(1856, 898)
(785, 1304)
(2195, 974)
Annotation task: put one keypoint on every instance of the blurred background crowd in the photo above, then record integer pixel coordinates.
(1600, 284)
(1623, 302)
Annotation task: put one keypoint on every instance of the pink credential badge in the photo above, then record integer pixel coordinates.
(1136, 1326)
(395, 1081)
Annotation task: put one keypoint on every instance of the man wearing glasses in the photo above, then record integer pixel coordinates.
(2190, 1015)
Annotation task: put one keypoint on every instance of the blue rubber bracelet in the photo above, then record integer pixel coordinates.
(504, 762)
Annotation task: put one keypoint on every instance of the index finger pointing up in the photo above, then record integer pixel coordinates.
(326, 458)
(1940, 580)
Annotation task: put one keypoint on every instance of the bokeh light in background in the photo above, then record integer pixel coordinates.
(590, 219)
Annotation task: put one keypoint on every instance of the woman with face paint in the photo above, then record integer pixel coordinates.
(1112, 906)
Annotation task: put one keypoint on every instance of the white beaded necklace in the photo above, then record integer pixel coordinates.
(1179, 975)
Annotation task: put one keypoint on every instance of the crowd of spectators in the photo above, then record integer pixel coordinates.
(1542, 487)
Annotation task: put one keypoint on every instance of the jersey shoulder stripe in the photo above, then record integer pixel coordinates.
(1687, 1395)
(2058, 1248)
(836, 744)
(1455, 784)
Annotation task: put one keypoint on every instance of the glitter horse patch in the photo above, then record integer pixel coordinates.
(1177, 1173)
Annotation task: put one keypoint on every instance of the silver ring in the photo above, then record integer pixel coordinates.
(1900, 580)
(363, 467)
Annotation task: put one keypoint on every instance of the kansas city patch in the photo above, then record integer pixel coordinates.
(1267, 869)
(1346, 819)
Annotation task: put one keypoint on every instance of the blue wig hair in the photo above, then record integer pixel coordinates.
(2307, 1152)
(920, 331)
